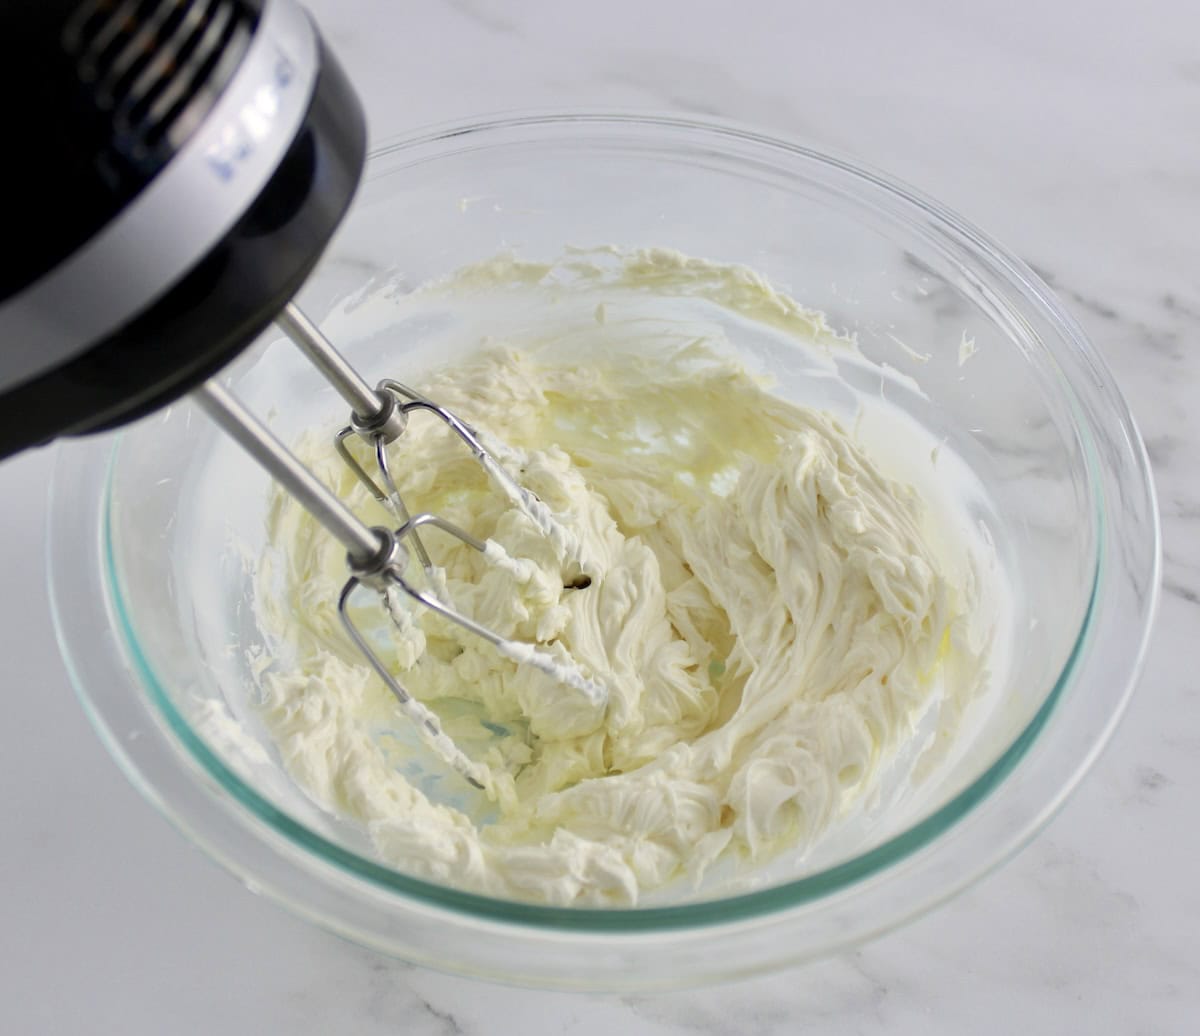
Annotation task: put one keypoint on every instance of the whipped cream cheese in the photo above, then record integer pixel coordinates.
(769, 611)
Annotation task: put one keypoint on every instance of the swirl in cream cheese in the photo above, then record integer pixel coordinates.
(765, 608)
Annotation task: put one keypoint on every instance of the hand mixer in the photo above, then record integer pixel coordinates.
(181, 166)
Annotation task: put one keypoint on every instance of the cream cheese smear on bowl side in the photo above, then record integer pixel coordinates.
(777, 597)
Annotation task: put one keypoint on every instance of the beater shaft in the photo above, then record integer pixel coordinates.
(374, 413)
(361, 542)
(352, 386)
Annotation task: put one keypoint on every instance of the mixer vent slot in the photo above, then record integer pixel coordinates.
(153, 68)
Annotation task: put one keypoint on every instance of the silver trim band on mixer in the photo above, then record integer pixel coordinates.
(180, 215)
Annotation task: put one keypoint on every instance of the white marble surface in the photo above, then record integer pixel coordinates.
(1067, 129)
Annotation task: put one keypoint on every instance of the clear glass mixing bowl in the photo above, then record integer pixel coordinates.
(150, 588)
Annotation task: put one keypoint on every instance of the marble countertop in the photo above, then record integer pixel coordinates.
(1068, 130)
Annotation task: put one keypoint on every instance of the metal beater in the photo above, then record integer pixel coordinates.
(378, 557)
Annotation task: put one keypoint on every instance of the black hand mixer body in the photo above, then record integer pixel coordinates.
(174, 170)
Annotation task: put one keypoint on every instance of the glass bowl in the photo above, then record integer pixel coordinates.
(149, 530)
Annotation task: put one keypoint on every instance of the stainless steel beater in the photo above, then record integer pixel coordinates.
(378, 557)
(380, 415)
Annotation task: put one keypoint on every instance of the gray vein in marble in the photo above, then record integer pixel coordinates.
(1189, 71)
(731, 1014)
(945, 301)
(1156, 347)
(846, 994)
(447, 1023)
(687, 83)
(1173, 304)
(1162, 448)
(1181, 591)
(1150, 782)
(1076, 884)
(1181, 510)
(1173, 558)
(1163, 340)
(485, 15)
(393, 1000)
(1094, 306)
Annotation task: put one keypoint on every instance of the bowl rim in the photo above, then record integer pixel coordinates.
(705, 913)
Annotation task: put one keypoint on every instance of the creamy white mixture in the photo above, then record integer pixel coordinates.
(767, 609)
